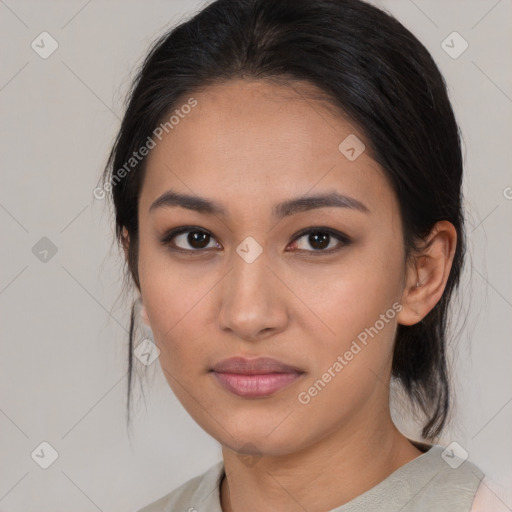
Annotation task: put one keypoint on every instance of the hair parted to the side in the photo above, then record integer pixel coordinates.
(372, 68)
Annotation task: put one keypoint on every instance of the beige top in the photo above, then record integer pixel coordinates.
(436, 481)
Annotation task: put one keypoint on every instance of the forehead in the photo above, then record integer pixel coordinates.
(253, 141)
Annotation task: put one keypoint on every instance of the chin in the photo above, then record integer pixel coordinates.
(265, 441)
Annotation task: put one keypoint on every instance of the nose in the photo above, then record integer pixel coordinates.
(253, 300)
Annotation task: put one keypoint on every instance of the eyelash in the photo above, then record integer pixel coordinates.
(166, 240)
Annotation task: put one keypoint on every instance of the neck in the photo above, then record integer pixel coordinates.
(323, 476)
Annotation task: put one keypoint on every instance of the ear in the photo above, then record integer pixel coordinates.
(125, 241)
(427, 274)
(126, 244)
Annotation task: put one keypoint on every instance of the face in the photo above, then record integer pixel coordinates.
(315, 285)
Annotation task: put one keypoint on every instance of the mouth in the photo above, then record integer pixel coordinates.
(255, 378)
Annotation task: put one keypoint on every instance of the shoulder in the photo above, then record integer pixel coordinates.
(489, 498)
(197, 491)
(441, 479)
(455, 479)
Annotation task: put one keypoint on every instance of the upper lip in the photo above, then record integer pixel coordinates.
(258, 366)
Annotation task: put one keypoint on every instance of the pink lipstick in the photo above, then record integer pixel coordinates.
(255, 378)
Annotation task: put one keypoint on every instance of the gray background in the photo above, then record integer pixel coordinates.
(64, 327)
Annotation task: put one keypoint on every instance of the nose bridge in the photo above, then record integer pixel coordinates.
(251, 298)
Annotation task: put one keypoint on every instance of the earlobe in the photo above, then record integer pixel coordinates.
(427, 277)
(144, 315)
(410, 314)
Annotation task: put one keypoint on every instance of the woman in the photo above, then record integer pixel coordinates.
(287, 189)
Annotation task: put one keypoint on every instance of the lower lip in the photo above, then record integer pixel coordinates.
(254, 386)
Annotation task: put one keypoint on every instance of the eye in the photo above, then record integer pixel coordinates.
(194, 239)
(322, 240)
(189, 239)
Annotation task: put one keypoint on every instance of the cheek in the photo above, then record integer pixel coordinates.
(172, 309)
(349, 296)
(355, 356)
(177, 299)
(355, 305)
(163, 294)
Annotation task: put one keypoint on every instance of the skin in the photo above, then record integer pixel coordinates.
(249, 145)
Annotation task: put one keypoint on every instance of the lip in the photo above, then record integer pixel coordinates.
(255, 378)
(258, 366)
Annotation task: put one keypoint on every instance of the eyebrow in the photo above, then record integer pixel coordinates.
(289, 207)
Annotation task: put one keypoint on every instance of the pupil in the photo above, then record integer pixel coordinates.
(198, 237)
(314, 240)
